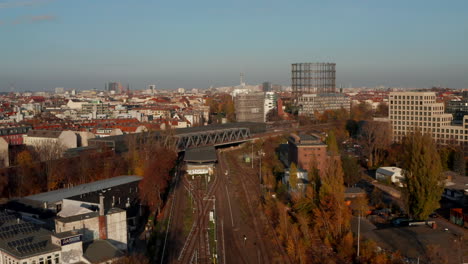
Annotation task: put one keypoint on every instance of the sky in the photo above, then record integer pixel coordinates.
(82, 44)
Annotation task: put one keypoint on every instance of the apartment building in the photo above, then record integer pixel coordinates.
(309, 104)
(411, 110)
(250, 107)
(458, 107)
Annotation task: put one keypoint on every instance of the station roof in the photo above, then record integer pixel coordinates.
(58, 195)
(204, 154)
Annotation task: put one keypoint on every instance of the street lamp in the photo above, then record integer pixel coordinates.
(260, 154)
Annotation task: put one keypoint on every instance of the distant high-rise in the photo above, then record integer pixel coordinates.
(266, 86)
(313, 78)
(250, 107)
(113, 86)
(59, 90)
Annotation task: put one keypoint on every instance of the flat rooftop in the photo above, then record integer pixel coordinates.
(22, 239)
(58, 195)
(305, 140)
(200, 155)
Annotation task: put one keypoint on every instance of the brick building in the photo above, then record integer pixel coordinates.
(303, 149)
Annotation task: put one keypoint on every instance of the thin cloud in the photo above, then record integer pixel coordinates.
(34, 19)
(42, 18)
(13, 4)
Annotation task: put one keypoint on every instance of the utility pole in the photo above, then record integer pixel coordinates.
(260, 154)
(252, 156)
(359, 233)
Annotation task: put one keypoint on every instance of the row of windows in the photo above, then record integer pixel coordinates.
(438, 130)
(392, 112)
(425, 108)
(419, 124)
(10, 131)
(439, 136)
(412, 97)
(41, 260)
(415, 118)
(444, 141)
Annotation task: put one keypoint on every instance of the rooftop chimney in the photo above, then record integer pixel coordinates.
(101, 204)
(102, 219)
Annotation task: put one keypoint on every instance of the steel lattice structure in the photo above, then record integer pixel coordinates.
(311, 78)
(211, 137)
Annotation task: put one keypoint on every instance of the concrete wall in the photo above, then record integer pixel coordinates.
(68, 139)
(83, 137)
(88, 227)
(4, 157)
(117, 229)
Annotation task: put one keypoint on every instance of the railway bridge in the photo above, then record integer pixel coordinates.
(184, 138)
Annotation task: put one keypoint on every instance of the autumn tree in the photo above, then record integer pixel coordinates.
(55, 170)
(293, 179)
(49, 151)
(423, 173)
(332, 216)
(156, 176)
(361, 111)
(352, 126)
(375, 139)
(272, 115)
(331, 143)
(313, 174)
(28, 180)
(133, 259)
(222, 105)
(459, 163)
(351, 169)
(382, 110)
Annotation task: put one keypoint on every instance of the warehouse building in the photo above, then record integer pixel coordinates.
(23, 242)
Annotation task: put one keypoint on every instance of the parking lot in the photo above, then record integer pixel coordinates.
(413, 242)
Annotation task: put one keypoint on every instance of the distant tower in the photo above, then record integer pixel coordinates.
(266, 86)
(313, 78)
(242, 81)
(12, 87)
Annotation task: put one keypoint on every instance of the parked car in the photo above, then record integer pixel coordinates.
(433, 215)
(401, 221)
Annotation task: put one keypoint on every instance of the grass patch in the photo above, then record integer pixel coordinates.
(188, 216)
(212, 237)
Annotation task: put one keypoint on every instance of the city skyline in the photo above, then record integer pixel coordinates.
(82, 45)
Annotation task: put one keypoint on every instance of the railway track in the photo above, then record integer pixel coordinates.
(199, 242)
(250, 186)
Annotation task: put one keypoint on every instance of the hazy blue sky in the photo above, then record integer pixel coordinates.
(83, 43)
